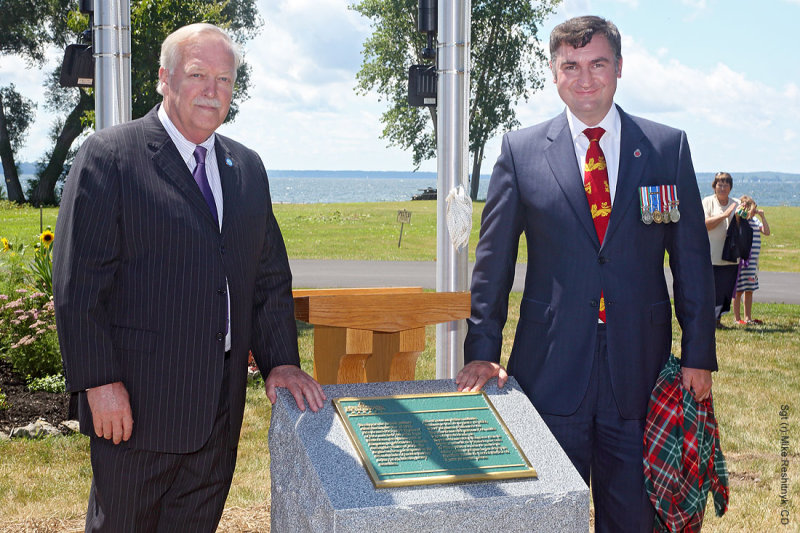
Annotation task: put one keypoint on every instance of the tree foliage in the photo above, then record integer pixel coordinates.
(16, 115)
(395, 45)
(18, 112)
(507, 64)
(27, 28)
(151, 22)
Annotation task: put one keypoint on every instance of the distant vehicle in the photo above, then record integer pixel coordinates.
(428, 193)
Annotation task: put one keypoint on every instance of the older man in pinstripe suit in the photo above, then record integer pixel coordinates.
(170, 268)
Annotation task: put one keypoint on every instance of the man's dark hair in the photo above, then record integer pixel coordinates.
(578, 31)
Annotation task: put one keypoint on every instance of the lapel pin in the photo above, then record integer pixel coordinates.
(637, 153)
(229, 161)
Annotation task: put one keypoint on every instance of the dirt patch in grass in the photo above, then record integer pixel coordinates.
(26, 406)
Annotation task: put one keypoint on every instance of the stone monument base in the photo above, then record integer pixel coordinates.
(320, 485)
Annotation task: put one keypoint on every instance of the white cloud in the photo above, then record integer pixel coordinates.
(304, 113)
(29, 83)
(729, 117)
(732, 120)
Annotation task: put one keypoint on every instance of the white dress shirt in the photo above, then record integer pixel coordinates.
(609, 143)
(186, 150)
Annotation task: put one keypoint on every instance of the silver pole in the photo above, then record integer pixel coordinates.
(452, 147)
(112, 72)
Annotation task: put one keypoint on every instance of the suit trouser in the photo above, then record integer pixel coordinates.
(137, 490)
(607, 449)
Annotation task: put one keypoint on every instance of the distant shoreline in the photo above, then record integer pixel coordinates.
(762, 175)
(355, 186)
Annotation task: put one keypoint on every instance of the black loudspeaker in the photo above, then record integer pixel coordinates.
(422, 85)
(426, 15)
(78, 67)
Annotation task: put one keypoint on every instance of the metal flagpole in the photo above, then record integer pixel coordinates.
(112, 52)
(452, 147)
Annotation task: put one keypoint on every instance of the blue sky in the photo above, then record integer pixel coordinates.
(723, 70)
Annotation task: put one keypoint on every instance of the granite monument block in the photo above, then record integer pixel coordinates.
(319, 483)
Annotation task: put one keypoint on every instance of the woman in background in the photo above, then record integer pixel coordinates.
(747, 281)
(719, 209)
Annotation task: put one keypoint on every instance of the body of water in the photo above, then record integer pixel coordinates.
(334, 190)
(300, 189)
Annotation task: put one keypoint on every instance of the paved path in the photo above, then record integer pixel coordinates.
(777, 287)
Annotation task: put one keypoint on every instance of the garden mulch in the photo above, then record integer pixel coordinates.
(26, 406)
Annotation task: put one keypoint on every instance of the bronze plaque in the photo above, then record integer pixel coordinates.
(423, 439)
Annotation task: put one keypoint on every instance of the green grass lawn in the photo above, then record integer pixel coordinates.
(48, 480)
(370, 231)
(759, 373)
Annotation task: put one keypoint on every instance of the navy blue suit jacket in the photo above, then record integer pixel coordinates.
(139, 280)
(537, 187)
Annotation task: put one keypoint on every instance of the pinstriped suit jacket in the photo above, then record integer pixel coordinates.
(139, 273)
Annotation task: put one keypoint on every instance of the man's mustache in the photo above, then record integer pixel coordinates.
(207, 102)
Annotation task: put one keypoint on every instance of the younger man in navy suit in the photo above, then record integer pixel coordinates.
(601, 195)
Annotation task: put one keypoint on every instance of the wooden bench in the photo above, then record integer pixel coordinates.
(373, 334)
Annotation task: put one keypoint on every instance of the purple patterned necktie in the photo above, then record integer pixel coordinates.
(199, 174)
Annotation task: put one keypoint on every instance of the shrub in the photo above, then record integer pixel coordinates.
(54, 383)
(3, 403)
(28, 338)
(13, 268)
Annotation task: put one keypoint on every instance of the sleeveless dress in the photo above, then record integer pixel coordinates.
(748, 273)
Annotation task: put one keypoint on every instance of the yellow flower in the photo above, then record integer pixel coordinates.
(6, 246)
(47, 237)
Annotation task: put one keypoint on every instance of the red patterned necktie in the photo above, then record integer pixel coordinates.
(598, 193)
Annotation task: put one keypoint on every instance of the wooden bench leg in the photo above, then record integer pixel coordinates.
(340, 354)
(394, 355)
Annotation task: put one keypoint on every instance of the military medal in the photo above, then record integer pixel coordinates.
(644, 206)
(665, 203)
(674, 214)
(658, 218)
(654, 193)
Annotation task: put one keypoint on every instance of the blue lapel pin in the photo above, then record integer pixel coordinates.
(229, 161)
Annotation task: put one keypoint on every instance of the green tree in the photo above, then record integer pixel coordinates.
(507, 65)
(151, 22)
(27, 28)
(16, 114)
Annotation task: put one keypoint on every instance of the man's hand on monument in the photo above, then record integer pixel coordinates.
(300, 384)
(698, 382)
(474, 375)
(111, 411)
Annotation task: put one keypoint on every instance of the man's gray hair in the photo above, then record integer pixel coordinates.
(172, 47)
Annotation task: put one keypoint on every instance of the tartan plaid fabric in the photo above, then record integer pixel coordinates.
(682, 456)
